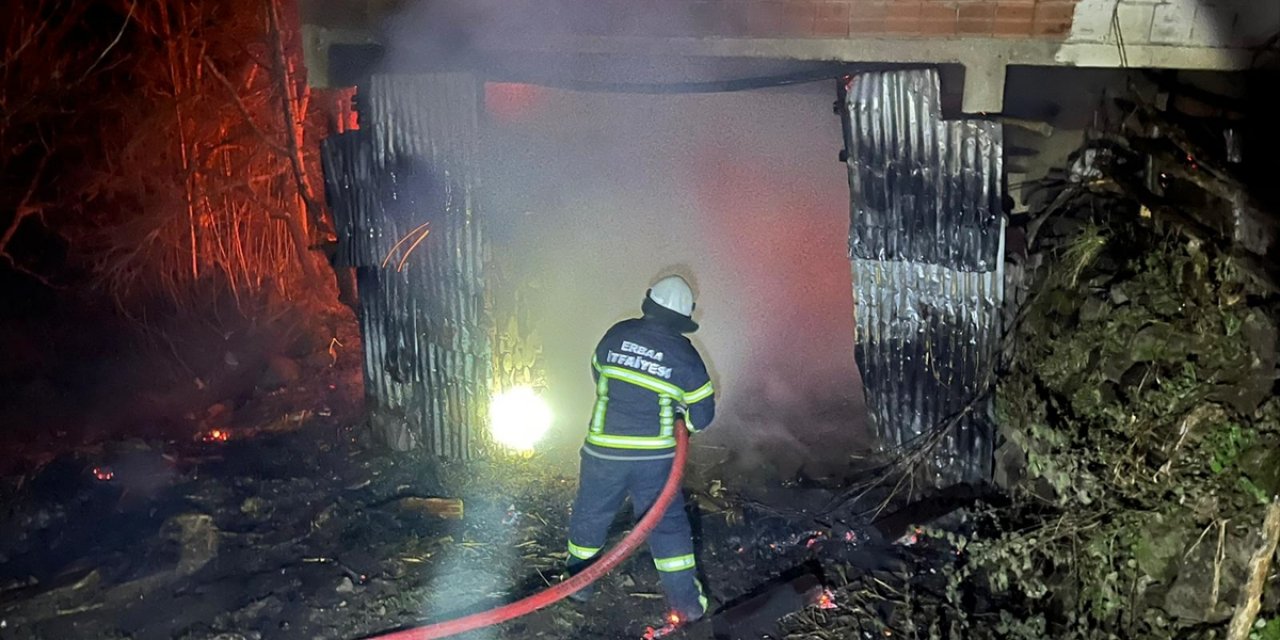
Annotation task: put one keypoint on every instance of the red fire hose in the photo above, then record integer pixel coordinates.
(606, 562)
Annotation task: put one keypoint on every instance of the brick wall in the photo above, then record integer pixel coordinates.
(1049, 19)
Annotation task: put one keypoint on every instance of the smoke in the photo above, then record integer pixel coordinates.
(593, 196)
(590, 197)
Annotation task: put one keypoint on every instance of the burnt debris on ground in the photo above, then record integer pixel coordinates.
(306, 531)
(280, 515)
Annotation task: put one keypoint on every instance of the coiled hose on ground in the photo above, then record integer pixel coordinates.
(603, 565)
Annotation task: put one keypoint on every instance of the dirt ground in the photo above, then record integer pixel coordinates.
(288, 523)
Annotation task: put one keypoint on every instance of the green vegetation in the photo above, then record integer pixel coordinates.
(1138, 404)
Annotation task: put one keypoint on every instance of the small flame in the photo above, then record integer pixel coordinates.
(103, 473)
(217, 435)
(672, 623)
(826, 600)
(916, 536)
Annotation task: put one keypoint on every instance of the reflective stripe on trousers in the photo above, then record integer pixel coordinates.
(582, 553)
(602, 486)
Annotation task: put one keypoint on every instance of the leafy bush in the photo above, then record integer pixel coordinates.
(1139, 394)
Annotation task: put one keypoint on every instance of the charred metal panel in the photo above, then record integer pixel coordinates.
(926, 245)
(403, 193)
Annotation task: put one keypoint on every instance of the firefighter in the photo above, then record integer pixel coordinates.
(647, 372)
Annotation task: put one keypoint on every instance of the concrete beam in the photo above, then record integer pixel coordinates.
(875, 50)
(984, 86)
(889, 50)
(1154, 57)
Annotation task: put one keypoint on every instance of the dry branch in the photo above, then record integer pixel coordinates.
(244, 110)
(1259, 566)
(24, 209)
(284, 84)
(125, 25)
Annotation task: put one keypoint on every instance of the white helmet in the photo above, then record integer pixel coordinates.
(675, 294)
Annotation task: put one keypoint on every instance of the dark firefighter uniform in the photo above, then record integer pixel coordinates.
(646, 373)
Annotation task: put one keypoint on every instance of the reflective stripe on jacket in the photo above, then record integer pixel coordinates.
(646, 373)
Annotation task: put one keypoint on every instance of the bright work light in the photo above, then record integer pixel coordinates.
(518, 418)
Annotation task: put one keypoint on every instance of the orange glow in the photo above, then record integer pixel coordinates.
(508, 102)
(673, 622)
(103, 473)
(826, 600)
(341, 106)
(217, 435)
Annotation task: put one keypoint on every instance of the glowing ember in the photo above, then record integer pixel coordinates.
(913, 538)
(217, 435)
(826, 600)
(673, 624)
(103, 473)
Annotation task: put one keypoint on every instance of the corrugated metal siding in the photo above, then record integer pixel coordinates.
(926, 249)
(427, 329)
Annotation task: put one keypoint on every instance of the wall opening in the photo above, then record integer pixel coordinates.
(593, 195)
